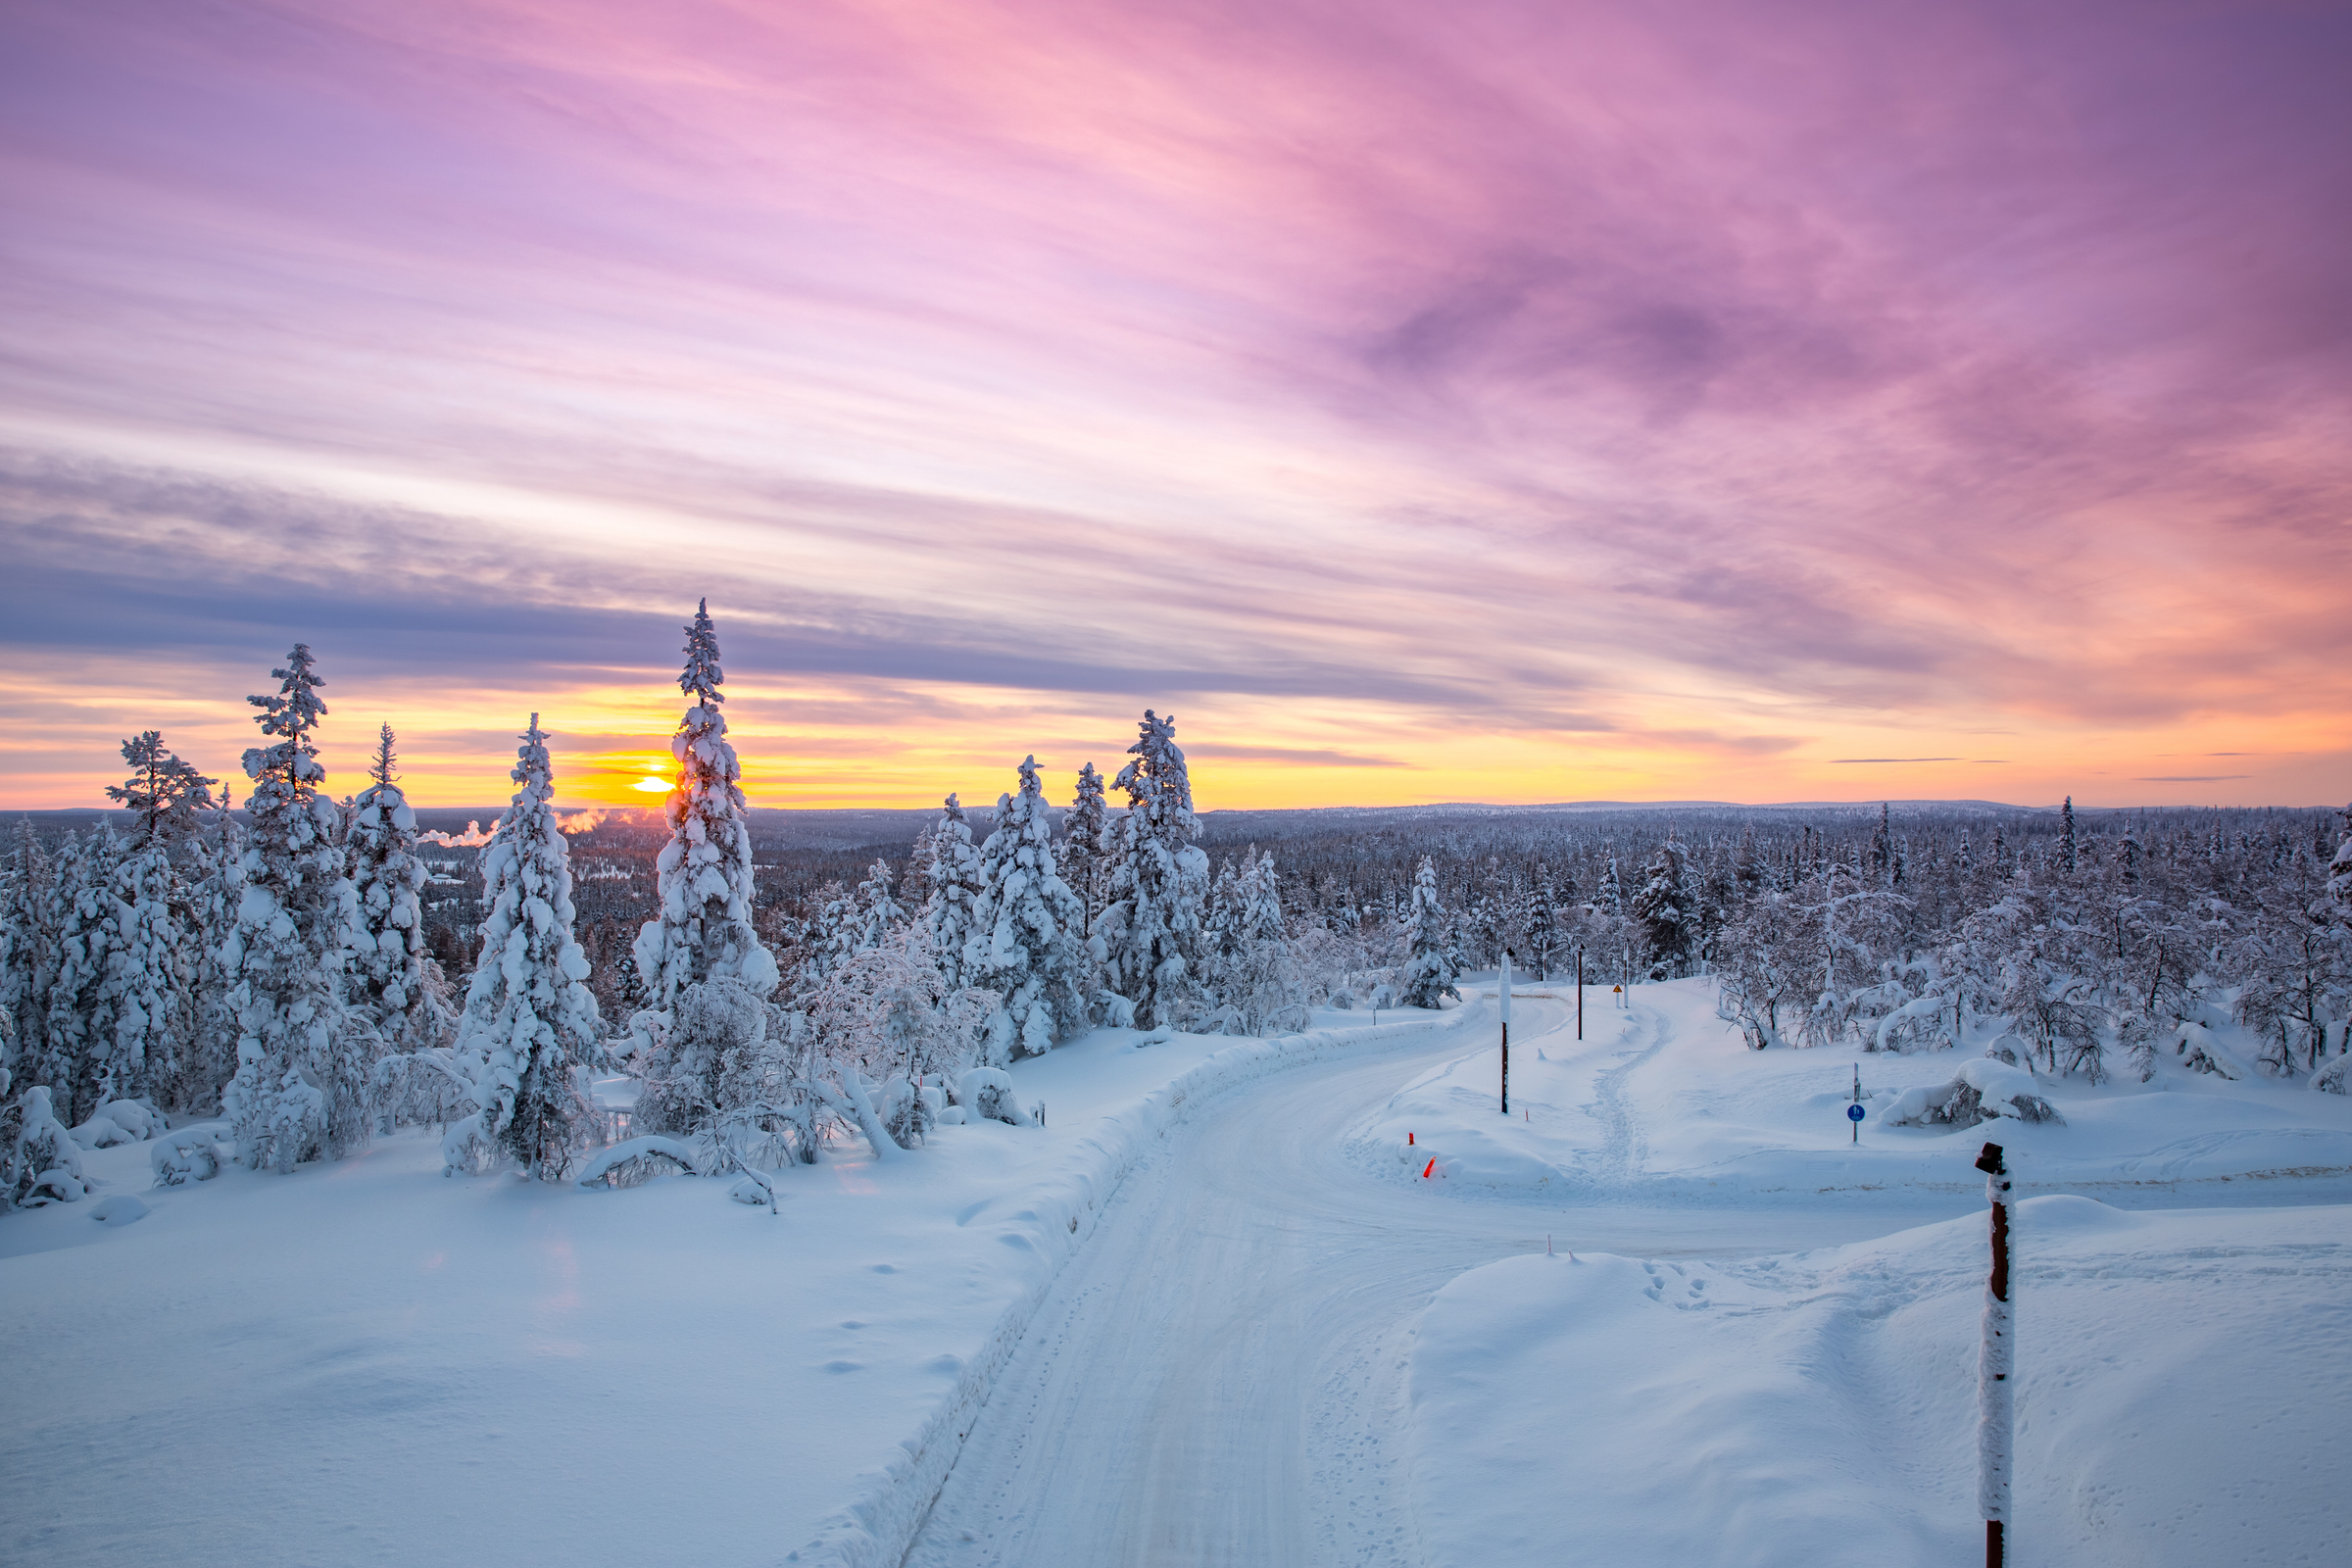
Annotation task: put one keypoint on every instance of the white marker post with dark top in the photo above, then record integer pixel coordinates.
(1995, 1361)
(1504, 991)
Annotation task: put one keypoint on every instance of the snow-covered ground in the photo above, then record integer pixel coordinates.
(1208, 1314)
(367, 1362)
(2182, 1399)
(1661, 1102)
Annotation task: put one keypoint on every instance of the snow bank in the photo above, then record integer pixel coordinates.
(1820, 1408)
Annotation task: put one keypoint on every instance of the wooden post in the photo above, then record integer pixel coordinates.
(1996, 1360)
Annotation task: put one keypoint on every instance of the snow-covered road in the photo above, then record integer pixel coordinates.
(1219, 1375)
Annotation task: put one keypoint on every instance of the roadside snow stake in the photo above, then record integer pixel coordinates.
(1432, 1166)
(1408, 1140)
(1996, 1359)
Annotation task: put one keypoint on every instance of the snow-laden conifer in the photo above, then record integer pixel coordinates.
(27, 951)
(300, 1087)
(1150, 930)
(1429, 969)
(152, 977)
(1027, 925)
(84, 1000)
(393, 979)
(704, 930)
(949, 920)
(1261, 985)
(1665, 911)
(1086, 844)
(530, 1020)
(880, 919)
(1540, 923)
(163, 794)
(215, 880)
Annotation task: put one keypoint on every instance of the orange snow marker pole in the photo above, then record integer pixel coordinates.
(1408, 1140)
(1432, 1166)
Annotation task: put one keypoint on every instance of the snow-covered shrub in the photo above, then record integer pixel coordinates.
(1981, 1091)
(193, 1153)
(986, 1093)
(117, 1122)
(46, 1162)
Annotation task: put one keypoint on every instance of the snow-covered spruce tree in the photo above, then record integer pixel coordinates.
(300, 1088)
(1665, 912)
(153, 976)
(1609, 899)
(880, 919)
(1150, 930)
(705, 928)
(1260, 983)
(830, 937)
(1086, 844)
(530, 1020)
(27, 951)
(215, 890)
(711, 1033)
(1027, 925)
(1542, 923)
(1429, 973)
(2066, 837)
(394, 981)
(84, 999)
(949, 920)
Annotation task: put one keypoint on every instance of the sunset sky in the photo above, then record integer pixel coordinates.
(1426, 402)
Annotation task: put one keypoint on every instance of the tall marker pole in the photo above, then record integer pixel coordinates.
(1505, 992)
(1996, 1360)
(1580, 992)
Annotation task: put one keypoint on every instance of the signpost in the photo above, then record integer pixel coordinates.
(1505, 991)
(1996, 1354)
(1853, 1113)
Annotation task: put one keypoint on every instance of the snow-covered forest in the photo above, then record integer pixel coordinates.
(309, 971)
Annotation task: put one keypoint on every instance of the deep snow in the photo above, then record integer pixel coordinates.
(1177, 1323)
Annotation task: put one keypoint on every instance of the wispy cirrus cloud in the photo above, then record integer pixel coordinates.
(1550, 399)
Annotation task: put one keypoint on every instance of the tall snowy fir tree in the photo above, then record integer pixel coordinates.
(1610, 900)
(1429, 971)
(1027, 926)
(27, 950)
(530, 1020)
(162, 793)
(1086, 843)
(1665, 912)
(393, 980)
(79, 1066)
(1150, 930)
(950, 919)
(300, 1087)
(1542, 924)
(881, 922)
(2066, 837)
(707, 972)
(703, 931)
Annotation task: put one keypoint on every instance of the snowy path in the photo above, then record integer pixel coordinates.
(1218, 1377)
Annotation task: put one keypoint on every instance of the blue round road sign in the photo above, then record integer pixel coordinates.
(1853, 1114)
